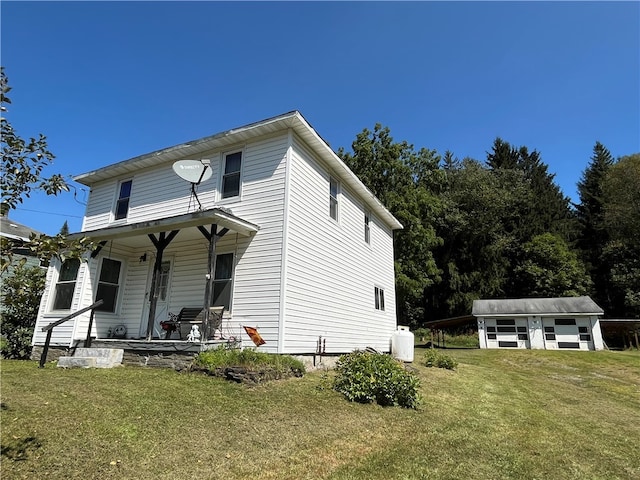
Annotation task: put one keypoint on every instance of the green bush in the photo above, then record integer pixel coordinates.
(22, 287)
(249, 359)
(17, 343)
(366, 377)
(435, 358)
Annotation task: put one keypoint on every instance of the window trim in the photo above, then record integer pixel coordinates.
(118, 296)
(224, 175)
(231, 280)
(120, 199)
(66, 282)
(334, 204)
(378, 303)
(367, 227)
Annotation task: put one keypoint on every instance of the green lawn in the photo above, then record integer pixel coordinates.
(502, 414)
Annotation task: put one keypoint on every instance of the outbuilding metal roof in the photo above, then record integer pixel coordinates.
(536, 306)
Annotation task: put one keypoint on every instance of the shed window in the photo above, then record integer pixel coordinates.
(231, 176)
(505, 322)
(66, 284)
(109, 284)
(122, 205)
(565, 321)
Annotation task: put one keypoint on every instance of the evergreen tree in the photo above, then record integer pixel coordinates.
(593, 235)
(621, 202)
(64, 230)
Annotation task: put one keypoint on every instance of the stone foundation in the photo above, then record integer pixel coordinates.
(52, 355)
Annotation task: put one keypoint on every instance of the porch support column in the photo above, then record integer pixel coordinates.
(213, 236)
(160, 244)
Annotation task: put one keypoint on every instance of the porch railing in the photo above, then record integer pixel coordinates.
(49, 329)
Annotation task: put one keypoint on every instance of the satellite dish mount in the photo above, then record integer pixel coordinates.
(195, 172)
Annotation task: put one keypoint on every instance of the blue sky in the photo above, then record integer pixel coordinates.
(107, 81)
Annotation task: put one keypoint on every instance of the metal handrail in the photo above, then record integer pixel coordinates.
(49, 329)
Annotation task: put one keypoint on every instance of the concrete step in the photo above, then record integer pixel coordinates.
(93, 357)
(77, 362)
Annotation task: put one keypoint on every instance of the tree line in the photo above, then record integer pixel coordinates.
(501, 227)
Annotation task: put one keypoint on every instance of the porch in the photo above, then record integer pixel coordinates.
(176, 354)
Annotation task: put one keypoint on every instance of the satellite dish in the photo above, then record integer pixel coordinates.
(194, 171)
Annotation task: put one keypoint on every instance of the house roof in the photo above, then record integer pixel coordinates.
(220, 217)
(15, 230)
(536, 306)
(293, 120)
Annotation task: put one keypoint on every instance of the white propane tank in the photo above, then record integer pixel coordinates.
(402, 344)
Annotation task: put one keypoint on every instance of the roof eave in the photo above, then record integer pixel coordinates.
(214, 216)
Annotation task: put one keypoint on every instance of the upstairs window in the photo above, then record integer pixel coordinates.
(66, 284)
(333, 198)
(122, 205)
(231, 175)
(367, 228)
(109, 284)
(379, 298)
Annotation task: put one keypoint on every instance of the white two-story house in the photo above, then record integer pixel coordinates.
(276, 229)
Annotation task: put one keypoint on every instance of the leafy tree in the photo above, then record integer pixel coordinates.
(478, 225)
(22, 166)
(23, 161)
(549, 268)
(621, 195)
(21, 292)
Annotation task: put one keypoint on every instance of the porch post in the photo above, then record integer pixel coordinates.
(160, 245)
(211, 273)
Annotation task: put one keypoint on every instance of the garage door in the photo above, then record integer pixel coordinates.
(507, 333)
(567, 333)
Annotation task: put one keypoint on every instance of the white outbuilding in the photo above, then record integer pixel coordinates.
(539, 323)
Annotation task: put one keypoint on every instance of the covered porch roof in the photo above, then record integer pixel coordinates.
(132, 233)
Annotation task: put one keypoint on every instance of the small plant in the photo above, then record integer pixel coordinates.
(435, 358)
(366, 377)
(248, 364)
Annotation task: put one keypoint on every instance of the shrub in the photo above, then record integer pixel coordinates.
(435, 358)
(21, 291)
(258, 365)
(366, 377)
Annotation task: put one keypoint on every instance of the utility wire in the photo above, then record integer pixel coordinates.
(49, 213)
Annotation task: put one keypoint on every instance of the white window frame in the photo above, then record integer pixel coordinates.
(367, 227)
(64, 282)
(378, 303)
(231, 280)
(120, 199)
(334, 203)
(119, 285)
(224, 175)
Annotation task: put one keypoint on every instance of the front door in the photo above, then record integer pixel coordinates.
(162, 306)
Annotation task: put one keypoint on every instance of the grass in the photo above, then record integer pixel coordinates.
(501, 414)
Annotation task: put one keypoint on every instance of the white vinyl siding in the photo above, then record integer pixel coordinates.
(330, 271)
(330, 268)
(161, 193)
